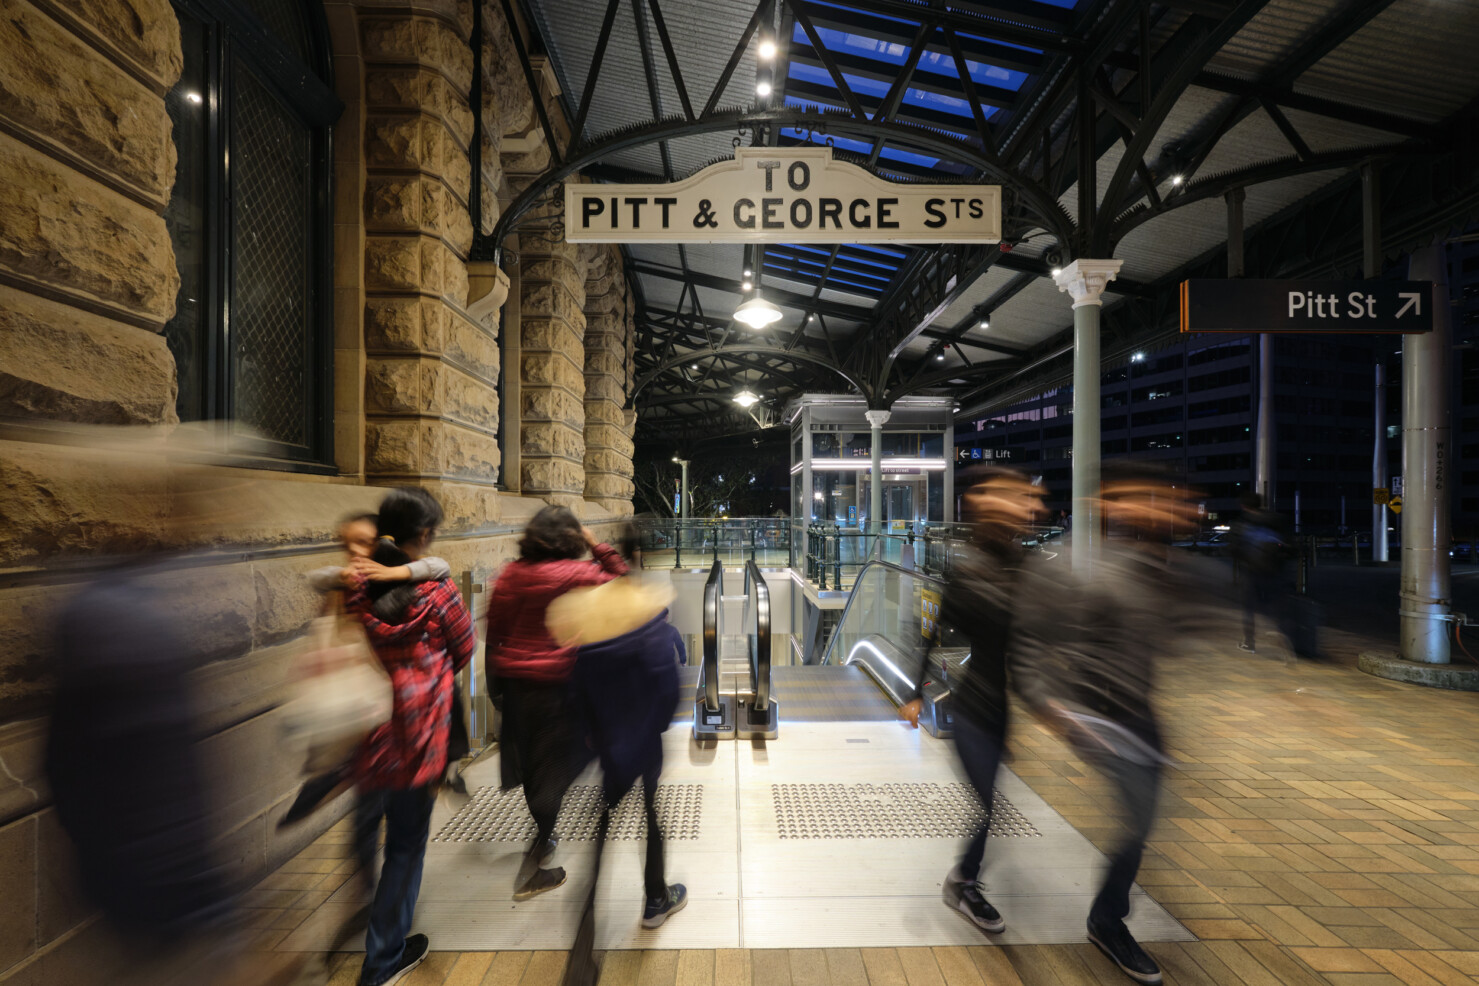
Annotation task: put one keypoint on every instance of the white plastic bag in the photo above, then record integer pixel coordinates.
(342, 692)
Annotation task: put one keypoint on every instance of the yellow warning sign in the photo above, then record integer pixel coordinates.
(1396, 504)
(1381, 495)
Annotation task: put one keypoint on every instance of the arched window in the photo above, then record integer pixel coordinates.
(250, 223)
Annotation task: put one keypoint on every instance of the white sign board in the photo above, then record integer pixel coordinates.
(782, 195)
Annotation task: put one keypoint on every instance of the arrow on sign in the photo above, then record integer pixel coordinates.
(1414, 300)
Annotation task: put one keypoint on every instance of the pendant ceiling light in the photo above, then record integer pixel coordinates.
(757, 313)
(746, 399)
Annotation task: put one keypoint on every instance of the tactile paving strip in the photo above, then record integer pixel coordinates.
(891, 811)
(495, 815)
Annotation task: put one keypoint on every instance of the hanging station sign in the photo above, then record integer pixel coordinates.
(1245, 305)
(782, 195)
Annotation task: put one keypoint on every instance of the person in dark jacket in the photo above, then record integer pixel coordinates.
(534, 672)
(1094, 681)
(1259, 548)
(978, 605)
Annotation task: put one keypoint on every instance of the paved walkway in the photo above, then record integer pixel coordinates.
(1322, 827)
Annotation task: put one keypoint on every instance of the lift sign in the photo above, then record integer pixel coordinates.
(782, 195)
(1237, 305)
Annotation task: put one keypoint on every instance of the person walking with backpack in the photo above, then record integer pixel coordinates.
(401, 762)
(534, 671)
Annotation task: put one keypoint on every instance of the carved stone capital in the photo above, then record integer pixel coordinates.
(1085, 280)
(877, 419)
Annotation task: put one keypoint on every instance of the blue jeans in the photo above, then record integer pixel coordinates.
(407, 827)
(980, 748)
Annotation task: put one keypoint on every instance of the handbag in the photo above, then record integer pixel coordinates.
(342, 692)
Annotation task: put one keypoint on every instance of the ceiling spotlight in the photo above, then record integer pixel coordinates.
(811, 318)
(694, 366)
(762, 88)
(767, 49)
(757, 313)
(748, 272)
(1177, 180)
(1138, 358)
(1057, 271)
(194, 97)
(940, 356)
(746, 399)
(746, 286)
(985, 323)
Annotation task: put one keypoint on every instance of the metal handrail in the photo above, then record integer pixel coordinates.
(853, 596)
(756, 588)
(713, 632)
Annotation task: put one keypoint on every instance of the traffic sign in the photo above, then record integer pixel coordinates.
(1381, 496)
(1239, 305)
(1396, 505)
(1396, 486)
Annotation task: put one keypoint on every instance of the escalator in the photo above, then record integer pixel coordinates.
(883, 633)
(735, 696)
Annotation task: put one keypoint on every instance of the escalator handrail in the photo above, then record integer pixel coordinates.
(713, 609)
(760, 639)
(852, 597)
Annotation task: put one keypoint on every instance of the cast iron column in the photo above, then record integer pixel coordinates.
(1085, 280)
(876, 420)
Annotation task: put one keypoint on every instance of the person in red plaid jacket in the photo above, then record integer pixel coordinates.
(399, 763)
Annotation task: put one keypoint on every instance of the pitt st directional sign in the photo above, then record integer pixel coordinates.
(1238, 305)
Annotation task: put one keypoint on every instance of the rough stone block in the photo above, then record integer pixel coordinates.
(430, 447)
(18, 903)
(421, 90)
(604, 388)
(552, 405)
(604, 461)
(544, 438)
(215, 605)
(611, 437)
(472, 347)
(394, 324)
(54, 86)
(68, 233)
(536, 268)
(424, 40)
(62, 364)
(544, 369)
(604, 362)
(557, 299)
(605, 485)
(146, 31)
(538, 332)
(540, 476)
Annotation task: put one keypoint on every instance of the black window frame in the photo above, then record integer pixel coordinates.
(235, 40)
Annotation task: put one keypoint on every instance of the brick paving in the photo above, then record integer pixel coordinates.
(1320, 827)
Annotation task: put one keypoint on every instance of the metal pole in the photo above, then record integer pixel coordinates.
(1371, 263)
(947, 493)
(876, 420)
(1426, 453)
(1085, 280)
(1263, 470)
(1379, 468)
(684, 501)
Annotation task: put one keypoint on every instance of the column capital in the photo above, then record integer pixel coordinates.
(877, 419)
(1085, 280)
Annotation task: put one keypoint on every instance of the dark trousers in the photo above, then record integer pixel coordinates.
(1137, 788)
(536, 733)
(1260, 593)
(979, 746)
(407, 827)
(654, 878)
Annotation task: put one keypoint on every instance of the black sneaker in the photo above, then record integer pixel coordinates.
(659, 909)
(540, 881)
(1248, 648)
(965, 896)
(1123, 950)
(411, 956)
(542, 852)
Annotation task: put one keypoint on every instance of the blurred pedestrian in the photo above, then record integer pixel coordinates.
(626, 688)
(1259, 548)
(978, 605)
(1093, 680)
(534, 672)
(400, 764)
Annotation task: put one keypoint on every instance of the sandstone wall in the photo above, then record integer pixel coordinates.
(88, 281)
(608, 441)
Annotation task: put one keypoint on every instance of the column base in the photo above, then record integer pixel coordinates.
(1386, 664)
